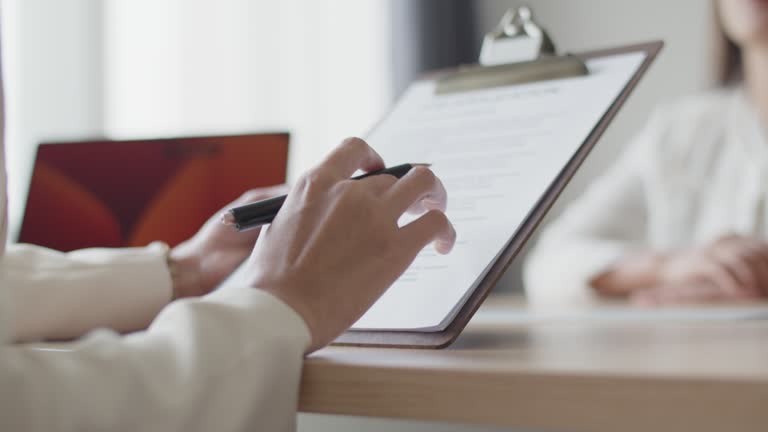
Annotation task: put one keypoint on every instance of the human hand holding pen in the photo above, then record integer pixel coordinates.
(335, 246)
(256, 214)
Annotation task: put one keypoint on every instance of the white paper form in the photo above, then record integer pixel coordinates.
(497, 151)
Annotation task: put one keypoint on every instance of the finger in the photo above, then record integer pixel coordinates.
(418, 190)
(432, 226)
(721, 275)
(691, 294)
(739, 266)
(761, 256)
(728, 239)
(379, 184)
(351, 155)
(753, 253)
(259, 194)
(645, 297)
(679, 294)
(750, 256)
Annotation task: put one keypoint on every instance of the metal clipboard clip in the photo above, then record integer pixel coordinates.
(517, 51)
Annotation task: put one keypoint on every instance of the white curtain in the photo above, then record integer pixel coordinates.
(318, 68)
(52, 62)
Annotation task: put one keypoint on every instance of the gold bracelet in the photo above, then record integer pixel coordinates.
(173, 269)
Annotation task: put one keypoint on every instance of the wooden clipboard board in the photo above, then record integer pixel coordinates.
(441, 339)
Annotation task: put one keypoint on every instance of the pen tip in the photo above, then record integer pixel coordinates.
(228, 218)
(422, 164)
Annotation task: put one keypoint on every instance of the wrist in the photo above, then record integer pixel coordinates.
(650, 269)
(638, 271)
(287, 294)
(186, 277)
(665, 267)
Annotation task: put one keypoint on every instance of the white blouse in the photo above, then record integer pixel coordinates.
(699, 170)
(228, 362)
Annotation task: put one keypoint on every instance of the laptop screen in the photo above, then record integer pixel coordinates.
(130, 193)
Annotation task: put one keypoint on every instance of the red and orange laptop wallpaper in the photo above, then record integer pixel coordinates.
(130, 193)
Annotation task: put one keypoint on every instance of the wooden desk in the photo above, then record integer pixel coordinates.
(562, 376)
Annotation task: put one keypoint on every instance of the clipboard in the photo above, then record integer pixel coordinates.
(466, 79)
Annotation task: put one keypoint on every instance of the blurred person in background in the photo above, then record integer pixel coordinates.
(681, 217)
(199, 359)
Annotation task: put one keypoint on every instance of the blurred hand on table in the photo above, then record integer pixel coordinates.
(733, 268)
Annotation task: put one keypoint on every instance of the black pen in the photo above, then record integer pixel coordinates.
(263, 212)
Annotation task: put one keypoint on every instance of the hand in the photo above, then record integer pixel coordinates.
(335, 246)
(201, 263)
(733, 268)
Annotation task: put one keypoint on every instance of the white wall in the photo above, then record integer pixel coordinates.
(314, 67)
(52, 62)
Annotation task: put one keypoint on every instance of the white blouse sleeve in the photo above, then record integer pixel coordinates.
(64, 295)
(225, 363)
(606, 223)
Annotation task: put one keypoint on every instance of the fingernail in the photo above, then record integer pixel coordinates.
(445, 247)
(442, 247)
(431, 204)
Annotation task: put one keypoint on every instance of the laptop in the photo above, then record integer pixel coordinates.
(130, 193)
